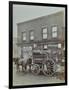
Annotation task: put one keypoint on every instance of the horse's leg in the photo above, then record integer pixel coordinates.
(30, 67)
(22, 67)
(25, 67)
(18, 69)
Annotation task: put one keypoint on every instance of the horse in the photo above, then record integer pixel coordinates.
(28, 63)
(21, 62)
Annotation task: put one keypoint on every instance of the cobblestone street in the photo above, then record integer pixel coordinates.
(21, 78)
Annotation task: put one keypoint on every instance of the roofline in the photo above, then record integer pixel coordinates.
(38, 18)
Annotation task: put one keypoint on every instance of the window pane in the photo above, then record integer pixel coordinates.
(24, 34)
(31, 33)
(44, 36)
(24, 38)
(54, 34)
(45, 30)
(54, 29)
(31, 37)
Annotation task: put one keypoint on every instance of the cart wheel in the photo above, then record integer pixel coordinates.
(49, 68)
(35, 69)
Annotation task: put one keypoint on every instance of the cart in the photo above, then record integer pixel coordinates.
(43, 62)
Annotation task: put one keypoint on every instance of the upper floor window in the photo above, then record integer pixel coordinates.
(24, 35)
(31, 35)
(44, 32)
(54, 31)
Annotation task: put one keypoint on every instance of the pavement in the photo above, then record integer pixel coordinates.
(21, 78)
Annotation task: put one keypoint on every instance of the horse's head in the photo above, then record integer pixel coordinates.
(16, 60)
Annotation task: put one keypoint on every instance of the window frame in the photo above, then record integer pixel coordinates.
(45, 33)
(52, 32)
(30, 35)
(22, 35)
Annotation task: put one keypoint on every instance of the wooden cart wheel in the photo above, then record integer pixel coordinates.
(49, 68)
(35, 69)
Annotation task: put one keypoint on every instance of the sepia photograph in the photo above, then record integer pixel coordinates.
(38, 44)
